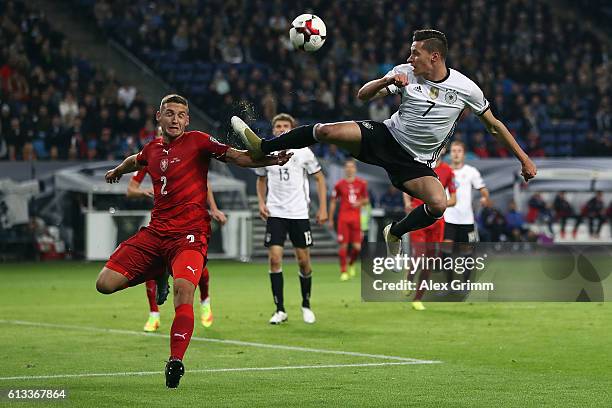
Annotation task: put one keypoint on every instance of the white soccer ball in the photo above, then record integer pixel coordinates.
(307, 32)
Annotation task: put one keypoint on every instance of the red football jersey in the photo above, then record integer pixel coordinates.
(350, 194)
(179, 171)
(447, 178)
(140, 175)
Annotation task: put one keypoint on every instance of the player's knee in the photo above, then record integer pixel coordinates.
(103, 286)
(276, 263)
(183, 291)
(357, 247)
(437, 206)
(324, 132)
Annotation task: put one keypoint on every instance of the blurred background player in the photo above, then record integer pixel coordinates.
(459, 219)
(178, 232)
(283, 194)
(425, 241)
(352, 192)
(206, 315)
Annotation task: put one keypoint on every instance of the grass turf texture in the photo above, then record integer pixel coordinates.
(493, 354)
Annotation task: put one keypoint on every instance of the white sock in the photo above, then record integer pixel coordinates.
(205, 301)
(154, 314)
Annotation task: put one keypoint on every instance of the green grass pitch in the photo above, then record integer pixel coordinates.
(490, 354)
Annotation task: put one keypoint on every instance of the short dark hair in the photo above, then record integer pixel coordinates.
(433, 40)
(173, 98)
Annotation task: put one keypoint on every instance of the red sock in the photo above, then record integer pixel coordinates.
(181, 331)
(151, 291)
(203, 284)
(342, 255)
(354, 256)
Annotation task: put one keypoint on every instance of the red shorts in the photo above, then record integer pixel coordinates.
(433, 233)
(145, 255)
(349, 230)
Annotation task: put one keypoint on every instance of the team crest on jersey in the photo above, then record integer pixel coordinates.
(368, 125)
(163, 164)
(434, 92)
(450, 97)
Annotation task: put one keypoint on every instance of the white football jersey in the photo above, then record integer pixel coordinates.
(466, 179)
(288, 189)
(429, 111)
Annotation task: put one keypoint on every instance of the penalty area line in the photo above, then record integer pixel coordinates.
(221, 341)
(210, 370)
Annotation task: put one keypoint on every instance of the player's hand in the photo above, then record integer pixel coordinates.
(148, 192)
(218, 216)
(264, 213)
(321, 216)
(331, 223)
(399, 80)
(484, 202)
(528, 170)
(112, 176)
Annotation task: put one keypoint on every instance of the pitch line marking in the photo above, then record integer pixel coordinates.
(222, 341)
(209, 370)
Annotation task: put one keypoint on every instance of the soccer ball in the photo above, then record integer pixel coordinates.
(307, 32)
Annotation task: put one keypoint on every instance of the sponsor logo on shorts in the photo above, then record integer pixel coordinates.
(268, 237)
(368, 125)
(191, 269)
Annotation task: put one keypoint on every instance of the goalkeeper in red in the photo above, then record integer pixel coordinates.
(177, 234)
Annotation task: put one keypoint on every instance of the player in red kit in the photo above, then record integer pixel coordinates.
(206, 315)
(421, 240)
(180, 223)
(352, 192)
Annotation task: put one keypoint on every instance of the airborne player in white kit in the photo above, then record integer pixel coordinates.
(285, 210)
(407, 144)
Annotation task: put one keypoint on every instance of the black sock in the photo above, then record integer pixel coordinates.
(301, 136)
(276, 279)
(416, 219)
(306, 284)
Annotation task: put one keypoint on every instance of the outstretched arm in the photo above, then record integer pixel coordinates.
(243, 159)
(322, 193)
(496, 128)
(134, 190)
(129, 165)
(215, 213)
(380, 87)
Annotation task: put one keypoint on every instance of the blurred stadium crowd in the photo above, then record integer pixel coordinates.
(547, 77)
(498, 224)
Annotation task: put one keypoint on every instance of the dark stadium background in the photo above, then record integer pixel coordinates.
(80, 81)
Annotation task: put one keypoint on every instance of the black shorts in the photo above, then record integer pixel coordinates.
(379, 147)
(277, 229)
(460, 232)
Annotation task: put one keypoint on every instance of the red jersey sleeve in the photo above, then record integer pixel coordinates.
(336, 191)
(140, 175)
(142, 157)
(210, 146)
